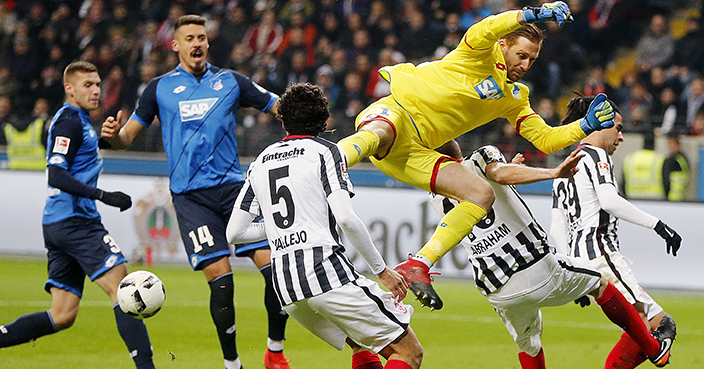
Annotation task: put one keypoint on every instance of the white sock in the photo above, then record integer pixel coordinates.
(275, 346)
(423, 259)
(233, 364)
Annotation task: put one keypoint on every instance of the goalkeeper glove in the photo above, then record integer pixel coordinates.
(672, 239)
(599, 116)
(558, 12)
(117, 199)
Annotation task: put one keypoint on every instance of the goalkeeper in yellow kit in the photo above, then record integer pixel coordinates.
(433, 103)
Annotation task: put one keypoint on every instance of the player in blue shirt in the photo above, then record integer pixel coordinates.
(77, 243)
(196, 105)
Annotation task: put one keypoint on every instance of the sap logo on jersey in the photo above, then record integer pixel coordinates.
(489, 89)
(195, 109)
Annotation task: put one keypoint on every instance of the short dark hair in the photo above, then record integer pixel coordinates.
(79, 67)
(577, 108)
(529, 31)
(303, 109)
(189, 19)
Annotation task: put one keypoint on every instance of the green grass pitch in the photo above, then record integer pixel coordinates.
(466, 333)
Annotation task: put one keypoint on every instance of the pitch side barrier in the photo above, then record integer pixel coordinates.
(400, 220)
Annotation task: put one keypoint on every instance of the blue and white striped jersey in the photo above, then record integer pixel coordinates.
(72, 145)
(508, 239)
(289, 183)
(592, 230)
(197, 117)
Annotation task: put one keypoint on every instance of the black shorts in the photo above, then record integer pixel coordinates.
(202, 219)
(78, 247)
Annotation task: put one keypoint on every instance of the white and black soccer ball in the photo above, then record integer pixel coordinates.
(141, 294)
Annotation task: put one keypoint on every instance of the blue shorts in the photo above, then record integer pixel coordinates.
(202, 219)
(78, 247)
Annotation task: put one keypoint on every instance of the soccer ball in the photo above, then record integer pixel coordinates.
(141, 294)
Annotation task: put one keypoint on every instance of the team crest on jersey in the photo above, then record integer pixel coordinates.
(61, 145)
(216, 84)
(488, 89)
(195, 109)
(604, 168)
(516, 92)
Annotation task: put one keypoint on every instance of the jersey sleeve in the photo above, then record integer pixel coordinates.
(484, 34)
(246, 200)
(333, 171)
(484, 156)
(147, 108)
(254, 96)
(546, 138)
(65, 139)
(559, 230)
(598, 167)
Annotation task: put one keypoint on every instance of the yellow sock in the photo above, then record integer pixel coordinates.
(359, 145)
(454, 226)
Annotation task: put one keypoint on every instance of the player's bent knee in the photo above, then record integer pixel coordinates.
(597, 292)
(418, 357)
(483, 196)
(382, 129)
(408, 347)
(217, 269)
(64, 319)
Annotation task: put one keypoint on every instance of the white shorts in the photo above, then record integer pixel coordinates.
(553, 281)
(360, 310)
(615, 268)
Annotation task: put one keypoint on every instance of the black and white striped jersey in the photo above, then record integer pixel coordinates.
(289, 183)
(592, 231)
(508, 238)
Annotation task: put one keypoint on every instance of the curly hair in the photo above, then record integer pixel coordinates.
(577, 108)
(303, 109)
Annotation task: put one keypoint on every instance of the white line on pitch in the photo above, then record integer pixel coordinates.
(423, 315)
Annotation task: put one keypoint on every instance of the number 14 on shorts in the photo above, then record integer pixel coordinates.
(203, 237)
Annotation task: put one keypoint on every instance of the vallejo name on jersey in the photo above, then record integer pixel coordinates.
(289, 240)
(195, 109)
(283, 155)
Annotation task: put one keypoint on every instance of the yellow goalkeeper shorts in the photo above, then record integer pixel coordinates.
(408, 159)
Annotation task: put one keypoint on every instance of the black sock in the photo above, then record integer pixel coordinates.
(134, 333)
(222, 309)
(26, 328)
(277, 317)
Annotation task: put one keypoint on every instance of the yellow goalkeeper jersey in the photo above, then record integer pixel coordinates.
(469, 88)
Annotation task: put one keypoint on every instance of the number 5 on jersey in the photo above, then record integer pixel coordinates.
(204, 237)
(279, 193)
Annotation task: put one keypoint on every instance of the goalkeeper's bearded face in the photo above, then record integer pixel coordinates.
(519, 57)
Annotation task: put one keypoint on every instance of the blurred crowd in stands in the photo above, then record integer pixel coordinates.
(339, 45)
